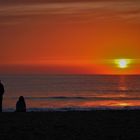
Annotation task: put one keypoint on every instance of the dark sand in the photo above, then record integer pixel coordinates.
(94, 125)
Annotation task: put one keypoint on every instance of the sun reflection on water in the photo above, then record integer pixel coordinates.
(123, 104)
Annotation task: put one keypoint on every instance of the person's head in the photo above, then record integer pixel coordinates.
(21, 98)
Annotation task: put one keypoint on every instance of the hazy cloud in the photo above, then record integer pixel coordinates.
(103, 10)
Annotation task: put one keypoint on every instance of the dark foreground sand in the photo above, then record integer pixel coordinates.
(94, 125)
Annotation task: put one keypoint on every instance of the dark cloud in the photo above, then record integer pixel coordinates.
(55, 1)
(101, 10)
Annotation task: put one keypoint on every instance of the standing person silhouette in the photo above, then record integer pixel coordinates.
(1, 95)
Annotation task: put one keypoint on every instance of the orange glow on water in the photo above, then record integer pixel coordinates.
(123, 104)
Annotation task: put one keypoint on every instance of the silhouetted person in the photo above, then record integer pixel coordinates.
(1, 95)
(21, 105)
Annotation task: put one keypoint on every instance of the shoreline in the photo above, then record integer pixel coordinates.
(78, 109)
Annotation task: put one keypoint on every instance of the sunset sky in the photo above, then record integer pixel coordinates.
(68, 36)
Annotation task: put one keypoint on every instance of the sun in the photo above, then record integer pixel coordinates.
(122, 63)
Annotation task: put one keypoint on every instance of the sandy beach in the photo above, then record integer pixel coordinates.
(94, 125)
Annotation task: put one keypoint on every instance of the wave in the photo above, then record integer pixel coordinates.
(79, 98)
(67, 109)
(83, 98)
(108, 90)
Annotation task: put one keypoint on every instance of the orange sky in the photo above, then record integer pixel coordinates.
(72, 37)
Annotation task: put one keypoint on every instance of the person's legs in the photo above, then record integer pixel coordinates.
(1, 103)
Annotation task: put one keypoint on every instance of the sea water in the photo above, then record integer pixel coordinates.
(71, 92)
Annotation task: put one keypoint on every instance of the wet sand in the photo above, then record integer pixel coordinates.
(92, 125)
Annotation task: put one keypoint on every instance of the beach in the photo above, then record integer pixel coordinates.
(71, 125)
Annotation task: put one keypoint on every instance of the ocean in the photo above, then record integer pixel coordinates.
(72, 92)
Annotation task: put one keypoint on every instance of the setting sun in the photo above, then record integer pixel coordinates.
(122, 63)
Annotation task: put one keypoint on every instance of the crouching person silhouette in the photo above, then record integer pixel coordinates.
(1, 95)
(21, 105)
